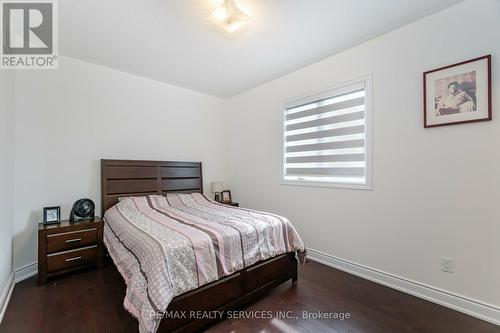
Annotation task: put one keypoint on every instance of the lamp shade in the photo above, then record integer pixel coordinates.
(217, 187)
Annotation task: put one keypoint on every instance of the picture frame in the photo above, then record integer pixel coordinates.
(458, 94)
(226, 196)
(52, 215)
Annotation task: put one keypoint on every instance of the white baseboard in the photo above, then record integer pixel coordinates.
(5, 296)
(16, 276)
(25, 272)
(472, 307)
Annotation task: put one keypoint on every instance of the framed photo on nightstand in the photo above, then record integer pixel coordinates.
(226, 196)
(51, 215)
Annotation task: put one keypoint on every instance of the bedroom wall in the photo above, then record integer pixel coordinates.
(6, 180)
(435, 191)
(70, 118)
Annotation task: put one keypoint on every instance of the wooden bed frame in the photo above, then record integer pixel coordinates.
(135, 178)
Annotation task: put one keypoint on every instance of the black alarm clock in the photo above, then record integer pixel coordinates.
(82, 210)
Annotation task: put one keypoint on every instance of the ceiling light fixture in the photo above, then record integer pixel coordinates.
(229, 17)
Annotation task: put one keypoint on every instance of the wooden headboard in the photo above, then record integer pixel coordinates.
(121, 178)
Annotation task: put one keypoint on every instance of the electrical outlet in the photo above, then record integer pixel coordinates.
(447, 265)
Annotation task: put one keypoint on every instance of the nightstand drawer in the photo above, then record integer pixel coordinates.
(72, 258)
(71, 240)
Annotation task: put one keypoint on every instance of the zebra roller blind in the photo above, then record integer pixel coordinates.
(325, 137)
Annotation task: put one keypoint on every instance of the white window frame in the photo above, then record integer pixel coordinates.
(323, 94)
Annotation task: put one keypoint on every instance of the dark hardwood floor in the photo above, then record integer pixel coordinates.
(91, 301)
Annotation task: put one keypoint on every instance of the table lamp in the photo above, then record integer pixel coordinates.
(217, 187)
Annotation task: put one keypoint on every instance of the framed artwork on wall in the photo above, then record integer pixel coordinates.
(458, 93)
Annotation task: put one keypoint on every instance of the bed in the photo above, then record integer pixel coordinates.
(185, 258)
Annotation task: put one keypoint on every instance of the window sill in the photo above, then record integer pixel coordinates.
(351, 186)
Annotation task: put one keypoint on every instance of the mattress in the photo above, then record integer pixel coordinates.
(165, 246)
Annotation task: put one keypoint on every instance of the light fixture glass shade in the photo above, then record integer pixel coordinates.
(229, 17)
(217, 187)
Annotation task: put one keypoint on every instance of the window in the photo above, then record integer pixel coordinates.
(327, 138)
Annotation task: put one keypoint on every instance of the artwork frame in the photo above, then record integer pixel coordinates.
(226, 196)
(52, 215)
(460, 93)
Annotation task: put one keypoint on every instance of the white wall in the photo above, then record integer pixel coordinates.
(436, 191)
(70, 118)
(6, 178)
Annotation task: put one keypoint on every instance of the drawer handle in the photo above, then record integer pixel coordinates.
(74, 258)
(73, 240)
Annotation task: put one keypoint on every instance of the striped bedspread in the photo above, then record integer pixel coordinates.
(164, 246)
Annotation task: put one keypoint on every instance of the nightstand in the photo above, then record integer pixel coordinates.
(235, 204)
(69, 246)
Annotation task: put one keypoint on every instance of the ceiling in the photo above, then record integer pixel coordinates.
(172, 41)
